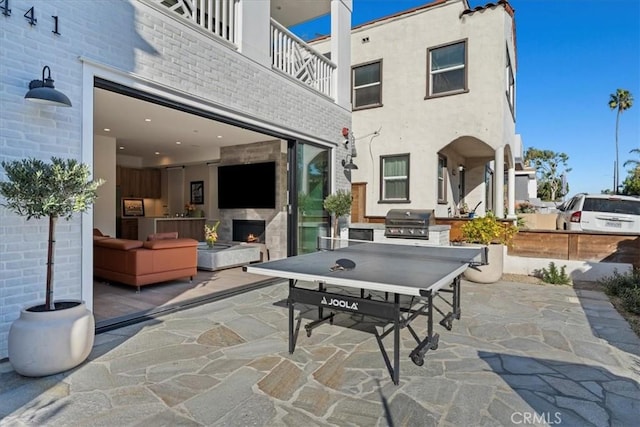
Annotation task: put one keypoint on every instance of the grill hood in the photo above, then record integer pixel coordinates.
(409, 223)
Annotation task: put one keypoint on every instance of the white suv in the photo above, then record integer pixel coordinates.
(600, 212)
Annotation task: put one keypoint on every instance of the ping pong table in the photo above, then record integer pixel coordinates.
(382, 273)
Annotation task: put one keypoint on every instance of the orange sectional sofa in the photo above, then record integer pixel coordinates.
(138, 263)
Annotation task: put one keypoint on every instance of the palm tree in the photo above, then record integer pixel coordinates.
(633, 162)
(621, 100)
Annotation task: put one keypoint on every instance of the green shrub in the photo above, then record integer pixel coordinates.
(488, 229)
(631, 299)
(525, 207)
(617, 284)
(626, 287)
(554, 275)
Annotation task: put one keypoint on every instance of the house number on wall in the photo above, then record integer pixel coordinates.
(30, 15)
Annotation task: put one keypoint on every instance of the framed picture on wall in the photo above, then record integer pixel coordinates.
(132, 207)
(197, 192)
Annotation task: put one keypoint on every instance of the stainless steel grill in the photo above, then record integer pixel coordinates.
(409, 223)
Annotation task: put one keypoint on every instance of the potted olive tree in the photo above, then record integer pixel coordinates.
(494, 234)
(337, 205)
(57, 335)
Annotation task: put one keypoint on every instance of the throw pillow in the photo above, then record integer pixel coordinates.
(163, 236)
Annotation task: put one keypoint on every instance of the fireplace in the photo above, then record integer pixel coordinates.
(248, 230)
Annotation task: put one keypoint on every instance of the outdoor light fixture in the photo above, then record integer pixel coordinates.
(461, 168)
(349, 165)
(43, 91)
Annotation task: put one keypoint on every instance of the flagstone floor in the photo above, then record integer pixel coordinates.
(520, 354)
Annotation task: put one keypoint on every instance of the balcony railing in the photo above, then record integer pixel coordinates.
(292, 56)
(289, 54)
(214, 16)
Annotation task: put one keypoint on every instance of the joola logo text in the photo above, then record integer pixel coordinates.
(340, 303)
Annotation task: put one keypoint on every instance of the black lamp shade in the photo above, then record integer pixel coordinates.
(350, 165)
(43, 92)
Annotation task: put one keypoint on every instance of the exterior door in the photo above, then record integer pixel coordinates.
(309, 183)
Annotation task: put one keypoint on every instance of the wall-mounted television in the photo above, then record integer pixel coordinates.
(250, 185)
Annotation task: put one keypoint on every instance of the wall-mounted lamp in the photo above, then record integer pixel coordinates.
(461, 168)
(349, 165)
(43, 91)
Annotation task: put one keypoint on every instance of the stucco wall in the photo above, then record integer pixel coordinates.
(409, 123)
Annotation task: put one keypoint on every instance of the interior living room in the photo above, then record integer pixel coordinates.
(168, 172)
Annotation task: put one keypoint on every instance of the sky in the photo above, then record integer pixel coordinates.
(571, 55)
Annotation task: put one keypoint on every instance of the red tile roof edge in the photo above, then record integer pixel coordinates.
(503, 3)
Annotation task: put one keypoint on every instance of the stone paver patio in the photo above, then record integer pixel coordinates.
(520, 355)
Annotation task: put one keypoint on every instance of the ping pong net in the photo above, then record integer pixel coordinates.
(403, 249)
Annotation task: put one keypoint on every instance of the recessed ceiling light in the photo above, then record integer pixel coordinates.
(157, 153)
(147, 120)
(107, 130)
(121, 147)
(219, 136)
(178, 142)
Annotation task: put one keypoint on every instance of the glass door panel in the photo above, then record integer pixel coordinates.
(312, 179)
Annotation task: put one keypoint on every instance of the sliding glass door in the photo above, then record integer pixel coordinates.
(311, 186)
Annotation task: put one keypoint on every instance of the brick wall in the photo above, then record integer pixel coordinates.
(134, 42)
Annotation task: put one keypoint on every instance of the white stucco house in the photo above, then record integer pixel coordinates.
(526, 181)
(178, 86)
(433, 92)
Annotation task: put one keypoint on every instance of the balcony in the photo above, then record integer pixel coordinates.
(288, 54)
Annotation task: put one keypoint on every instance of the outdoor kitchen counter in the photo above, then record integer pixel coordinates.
(367, 225)
(186, 227)
(438, 234)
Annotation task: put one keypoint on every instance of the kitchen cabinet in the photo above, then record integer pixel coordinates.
(127, 228)
(150, 183)
(143, 183)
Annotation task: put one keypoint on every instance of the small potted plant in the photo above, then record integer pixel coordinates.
(337, 205)
(211, 234)
(57, 335)
(494, 234)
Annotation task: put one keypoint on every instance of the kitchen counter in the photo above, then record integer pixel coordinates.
(187, 227)
(367, 225)
(438, 234)
(173, 218)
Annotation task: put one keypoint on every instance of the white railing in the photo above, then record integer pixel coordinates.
(292, 56)
(289, 54)
(215, 16)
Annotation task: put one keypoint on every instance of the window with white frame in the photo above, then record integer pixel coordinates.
(511, 84)
(367, 85)
(442, 179)
(447, 67)
(394, 177)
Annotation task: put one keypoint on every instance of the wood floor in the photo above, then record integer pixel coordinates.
(116, 304)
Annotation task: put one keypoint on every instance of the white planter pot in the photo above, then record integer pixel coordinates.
(490, 273)
(48, 342)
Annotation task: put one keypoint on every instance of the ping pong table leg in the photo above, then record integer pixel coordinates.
(430, 342)
(292, 339)
(396, 340)
(456, 298)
